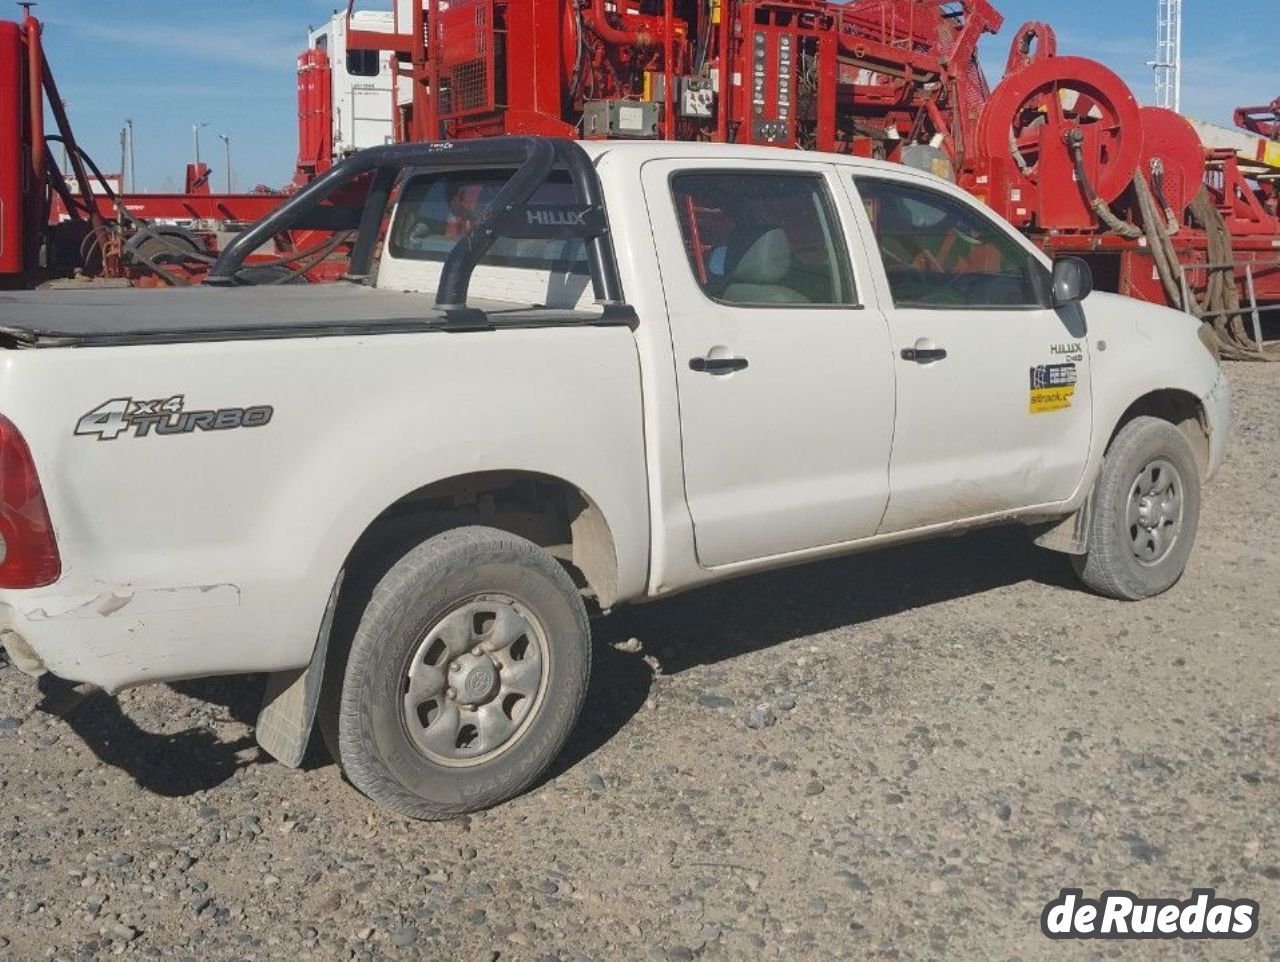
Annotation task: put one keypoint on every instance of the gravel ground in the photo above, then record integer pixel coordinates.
(898, 756)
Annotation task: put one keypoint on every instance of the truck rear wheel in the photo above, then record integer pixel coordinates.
(1146, 510)
(466, 674)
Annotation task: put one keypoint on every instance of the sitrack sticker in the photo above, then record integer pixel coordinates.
(1122, 915)
(1052, 387)
(130, 417)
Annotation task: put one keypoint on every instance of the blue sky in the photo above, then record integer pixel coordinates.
(231, 63)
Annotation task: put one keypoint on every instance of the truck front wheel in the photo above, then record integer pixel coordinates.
(1146, 509)
(465, 675)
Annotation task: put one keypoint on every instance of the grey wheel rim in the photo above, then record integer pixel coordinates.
(1154, 512)
(475, 681)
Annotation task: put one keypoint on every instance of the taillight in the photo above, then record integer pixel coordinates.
(28, 551)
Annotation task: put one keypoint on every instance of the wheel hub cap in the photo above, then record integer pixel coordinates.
(1148, 513)
(1153, 518)
(475, 681)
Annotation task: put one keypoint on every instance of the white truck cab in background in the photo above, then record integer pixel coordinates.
(360, 81)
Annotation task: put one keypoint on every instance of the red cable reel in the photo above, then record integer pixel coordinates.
(1173, 158)
(1046, 124)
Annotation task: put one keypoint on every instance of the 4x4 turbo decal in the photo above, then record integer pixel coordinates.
(119, 416)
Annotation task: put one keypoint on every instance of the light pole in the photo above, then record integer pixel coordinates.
(133, 166)
(195, 136)
(226, 140)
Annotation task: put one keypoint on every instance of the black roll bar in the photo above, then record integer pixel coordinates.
(509, 215)
(455, 276)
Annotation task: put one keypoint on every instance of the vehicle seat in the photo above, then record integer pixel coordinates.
(756, 276)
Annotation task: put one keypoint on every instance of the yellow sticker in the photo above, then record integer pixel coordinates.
(1051, 399)
(1052, 387)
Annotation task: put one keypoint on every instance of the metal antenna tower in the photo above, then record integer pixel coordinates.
(1168, 62)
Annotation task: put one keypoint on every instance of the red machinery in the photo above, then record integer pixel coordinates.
(791, 73)
(53, 224)
(315, 116)
(13, 227)
(1263, 121)
(1060, 147)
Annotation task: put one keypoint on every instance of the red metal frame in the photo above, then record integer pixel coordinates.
(208, 207)
(315, 115)
(1263, 121)
(14, 224)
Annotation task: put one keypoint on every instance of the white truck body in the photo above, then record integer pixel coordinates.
(207, 552)
(361, 82)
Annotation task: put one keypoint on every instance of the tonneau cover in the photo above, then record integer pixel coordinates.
(112, 316)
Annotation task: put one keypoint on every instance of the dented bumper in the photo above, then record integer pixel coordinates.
(92, 635)
(123, 635)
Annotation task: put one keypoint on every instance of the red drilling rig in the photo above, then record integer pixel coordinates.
(1059, 146)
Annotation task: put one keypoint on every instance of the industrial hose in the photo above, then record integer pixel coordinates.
(101, 239)
(1161, 247)
(303, 260)
(1221, 300)
(1098, 205)
(1230, 323)
(1157, 189)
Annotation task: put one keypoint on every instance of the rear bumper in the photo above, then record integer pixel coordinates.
(119, 636)
(94, 636)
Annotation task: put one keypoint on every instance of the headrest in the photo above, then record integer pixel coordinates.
(767, 260)
(893, 216)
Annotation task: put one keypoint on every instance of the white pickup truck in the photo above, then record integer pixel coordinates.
(645, 367)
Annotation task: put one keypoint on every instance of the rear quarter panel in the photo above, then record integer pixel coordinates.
(216, 551)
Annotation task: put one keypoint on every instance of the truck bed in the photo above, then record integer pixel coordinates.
(103, 317)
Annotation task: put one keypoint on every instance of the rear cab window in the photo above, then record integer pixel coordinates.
(436, 209)
(759, 238)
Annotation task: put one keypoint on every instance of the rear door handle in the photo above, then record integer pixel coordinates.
(717, 365)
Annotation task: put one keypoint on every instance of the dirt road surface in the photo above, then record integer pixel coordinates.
(950, 733)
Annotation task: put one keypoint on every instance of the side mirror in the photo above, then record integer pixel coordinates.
(1072, 281)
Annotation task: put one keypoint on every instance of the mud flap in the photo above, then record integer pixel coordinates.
(21, 655)
(289, 703)
(1071, 534)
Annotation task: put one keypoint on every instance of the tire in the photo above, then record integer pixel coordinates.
(1126, 558)
(412, 639)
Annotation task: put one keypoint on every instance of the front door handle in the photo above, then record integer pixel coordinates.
(924, 352)
(923, 355)
(717, 365)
